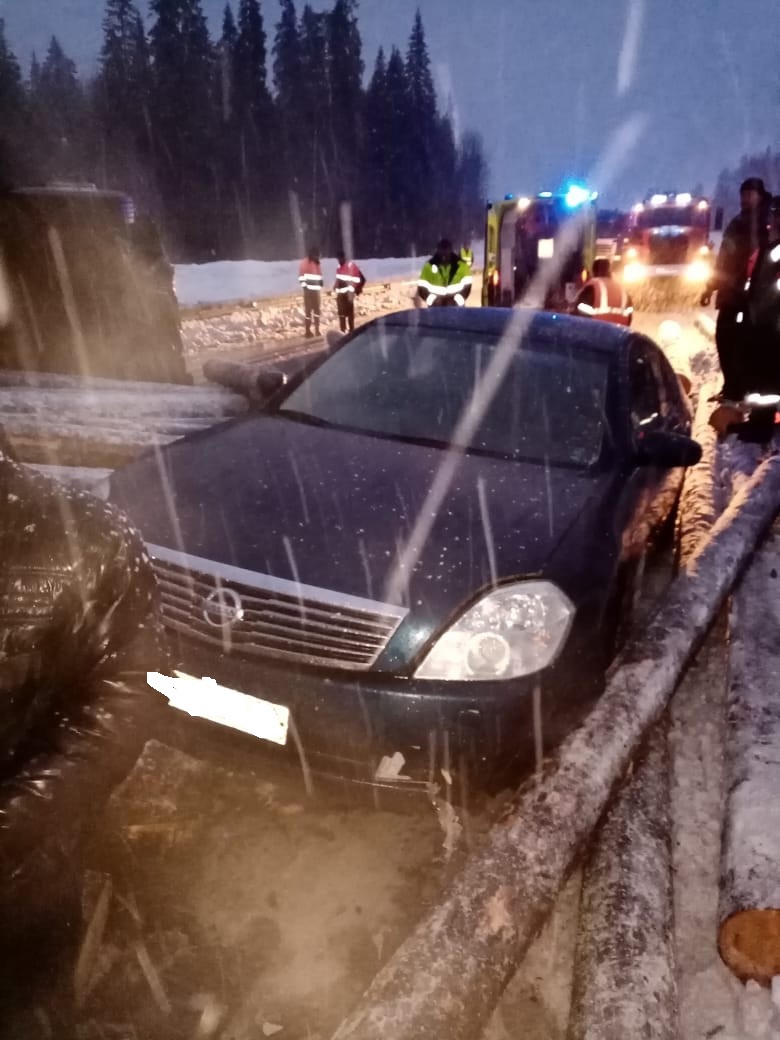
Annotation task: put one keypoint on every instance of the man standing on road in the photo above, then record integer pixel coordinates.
(78, 633)
(349, 284)
(310, 277)
(603, 297)
(445, 280)
(742, 238)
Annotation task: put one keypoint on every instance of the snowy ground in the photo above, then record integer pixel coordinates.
(240, 908)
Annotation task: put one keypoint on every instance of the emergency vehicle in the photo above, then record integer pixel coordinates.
(522, 239)
(669, 238)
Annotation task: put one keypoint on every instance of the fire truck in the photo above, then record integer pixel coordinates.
(526, 235)
(669, 239)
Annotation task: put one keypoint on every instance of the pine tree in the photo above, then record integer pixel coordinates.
(254, 176)
(61, 115)
(423, 131)
(288, 83)
(315, 170)
(14, 141)
(185, 119)
(345, 102)
(123, 96)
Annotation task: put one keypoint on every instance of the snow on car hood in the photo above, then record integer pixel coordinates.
(333, 509)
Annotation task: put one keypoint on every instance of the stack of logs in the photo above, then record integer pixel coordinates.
(69, 421)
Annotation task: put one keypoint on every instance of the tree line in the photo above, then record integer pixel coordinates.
(241, 147)
(765, 165)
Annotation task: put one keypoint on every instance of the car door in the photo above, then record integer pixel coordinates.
(646, 405)
(657, 404)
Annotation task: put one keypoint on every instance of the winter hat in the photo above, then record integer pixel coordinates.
(753, 184)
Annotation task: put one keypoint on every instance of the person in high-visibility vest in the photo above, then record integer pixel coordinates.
(310, 277)
(445, 280)
(604, 298)
(467, 255)
(349, 284)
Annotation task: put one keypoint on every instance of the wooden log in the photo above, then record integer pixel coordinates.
(625, 970)
(446, 978)
(624, 974)
(749, 905)
(255, 382)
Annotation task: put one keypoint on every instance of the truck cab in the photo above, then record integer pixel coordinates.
(668, 240)
(87, 294)
(523, 237)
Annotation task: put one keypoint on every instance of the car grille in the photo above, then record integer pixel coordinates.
(258, 615)
(668, 249)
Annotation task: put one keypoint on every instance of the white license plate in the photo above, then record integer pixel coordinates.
(206, 699)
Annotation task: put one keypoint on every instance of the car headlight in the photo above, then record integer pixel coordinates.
(633, 272)
(512, 631)
(632, 253)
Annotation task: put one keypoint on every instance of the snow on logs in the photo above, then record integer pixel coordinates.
(625, 977)
(103, 422)
(446, 978)
(749, 908)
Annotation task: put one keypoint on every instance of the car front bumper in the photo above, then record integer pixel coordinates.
(352, 727)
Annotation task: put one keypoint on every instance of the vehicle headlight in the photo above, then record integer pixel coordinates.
(634, 272)
(632, 252)
(698, 271)
(512, 631)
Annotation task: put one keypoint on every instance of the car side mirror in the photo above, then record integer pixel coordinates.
(667, 450)
(267, 383)
(718, 224)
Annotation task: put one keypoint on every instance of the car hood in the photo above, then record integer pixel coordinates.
(334, 509)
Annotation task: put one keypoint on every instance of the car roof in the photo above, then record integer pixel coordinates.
(545, 326)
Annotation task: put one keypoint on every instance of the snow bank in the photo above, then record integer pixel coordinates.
(227, 281)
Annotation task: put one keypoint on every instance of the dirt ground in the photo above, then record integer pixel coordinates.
(237, 907)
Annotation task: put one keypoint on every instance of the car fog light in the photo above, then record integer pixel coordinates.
(633, 273)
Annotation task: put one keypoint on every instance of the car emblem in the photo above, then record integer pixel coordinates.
(222, 608)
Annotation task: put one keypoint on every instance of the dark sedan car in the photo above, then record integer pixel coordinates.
(409, 566)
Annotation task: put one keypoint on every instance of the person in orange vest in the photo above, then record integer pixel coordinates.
(310, 277)
(349, 284)
(604, 298)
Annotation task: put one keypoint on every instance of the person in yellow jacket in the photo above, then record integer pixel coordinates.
(467, 255)
(445, 280)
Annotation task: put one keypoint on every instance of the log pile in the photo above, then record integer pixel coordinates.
(749, 908)
(446, 978)
(69, 421)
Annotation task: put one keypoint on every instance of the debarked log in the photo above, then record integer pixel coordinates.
(749, 904)
(625, 970)
(446, 978)
(624, 973)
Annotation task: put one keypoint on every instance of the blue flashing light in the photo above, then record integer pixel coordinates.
(508, 197)
(545, 194)
(576, 195)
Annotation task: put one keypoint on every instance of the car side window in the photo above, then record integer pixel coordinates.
(646, 404)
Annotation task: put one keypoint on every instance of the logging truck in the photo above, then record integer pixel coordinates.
(87, 287)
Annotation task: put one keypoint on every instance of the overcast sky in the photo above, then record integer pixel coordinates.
(548, 83)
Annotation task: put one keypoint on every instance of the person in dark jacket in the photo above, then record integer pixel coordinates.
(744, 235)
(762, 330)
(349, 284)
(78, 633)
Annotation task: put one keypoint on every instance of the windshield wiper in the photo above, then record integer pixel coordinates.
(305, 417)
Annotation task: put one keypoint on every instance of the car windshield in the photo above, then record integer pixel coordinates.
(414, 384)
